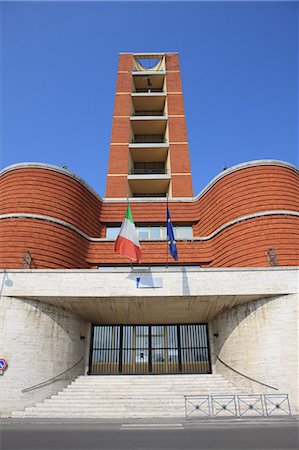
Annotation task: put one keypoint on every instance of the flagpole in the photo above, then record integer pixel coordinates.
(128, 202)
(166, 232)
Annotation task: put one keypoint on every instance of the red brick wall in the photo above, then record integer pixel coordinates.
(179, 158)
(50, 193)
(119, 154)
(117, 187)
(173, 82)
(172, 61)
(122, 105)
(125, 62)
(181, 185)
(60, 196)
(179, 153)
(175, 104)
(177, 129)
(120, 130)
(118, 161)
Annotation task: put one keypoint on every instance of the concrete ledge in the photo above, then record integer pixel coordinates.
(114, 297)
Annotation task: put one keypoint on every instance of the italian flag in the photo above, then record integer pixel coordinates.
(127, 242)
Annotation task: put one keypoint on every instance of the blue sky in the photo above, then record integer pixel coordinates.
(239, 65)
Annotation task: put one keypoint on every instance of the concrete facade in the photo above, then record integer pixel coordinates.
(259, 339)
(252, 316)
(38, 341)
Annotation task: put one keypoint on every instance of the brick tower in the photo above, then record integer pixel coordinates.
(149, 155)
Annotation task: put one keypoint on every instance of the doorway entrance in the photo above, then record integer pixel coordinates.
(149, 349)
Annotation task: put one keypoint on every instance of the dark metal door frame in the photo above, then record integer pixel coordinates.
(114, 349)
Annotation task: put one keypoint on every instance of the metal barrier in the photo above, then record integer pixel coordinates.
(238, 406)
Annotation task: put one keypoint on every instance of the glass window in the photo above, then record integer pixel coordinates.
(112, 232)
(172, 355)
(184, 232)
(141, 342)
(143, 232)
(142, 330)
(158, 342)
(172, 336)
(155, 232)
(158, 355)
(157, 329)
(163, 232)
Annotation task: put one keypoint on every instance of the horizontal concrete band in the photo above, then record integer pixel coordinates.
(263, 162)
(201, 238)
(205, 284)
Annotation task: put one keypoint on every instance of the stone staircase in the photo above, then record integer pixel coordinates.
(128, 396)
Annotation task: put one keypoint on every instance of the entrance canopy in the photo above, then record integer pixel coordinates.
(149, 296)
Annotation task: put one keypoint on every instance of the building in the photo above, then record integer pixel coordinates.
(72, 306)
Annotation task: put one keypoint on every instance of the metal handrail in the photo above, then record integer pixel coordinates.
(148, 69)
(44, 383)
(147, 90)
(147, 171)
(245, 376)
(148, 140)
(148, 113)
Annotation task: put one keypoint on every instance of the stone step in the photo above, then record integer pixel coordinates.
(151, 375)
(148, 381)
(142, 389)
(139, 385)
(152, 380)
(128, 396)
(153, 385)
(111, 407)
(114, 394)
(91, 415)
(141, 392)
(106, 406)
(161, 395)
(123, 405)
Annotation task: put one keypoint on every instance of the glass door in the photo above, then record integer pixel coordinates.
(143, 349)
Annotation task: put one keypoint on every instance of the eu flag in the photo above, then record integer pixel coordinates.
(170, 237)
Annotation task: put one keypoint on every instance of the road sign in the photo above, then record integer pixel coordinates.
(3, 365)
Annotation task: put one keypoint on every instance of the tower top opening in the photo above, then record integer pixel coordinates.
(149, 62)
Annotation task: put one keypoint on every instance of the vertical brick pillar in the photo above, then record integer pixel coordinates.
(181, 178)
(116, 185)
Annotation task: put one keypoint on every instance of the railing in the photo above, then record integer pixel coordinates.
(148, 139)
(148, 90)
(163, 194)
(147, 171)
(148, 69)
(238, 406)
(148, 113)
(245, 376)
(52, 379)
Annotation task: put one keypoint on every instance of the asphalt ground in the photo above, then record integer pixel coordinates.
(262, 434)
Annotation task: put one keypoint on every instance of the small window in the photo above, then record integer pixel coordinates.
(155, 232)
(143, 232)
(164, 232)
(184, 232)
(112, 232)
